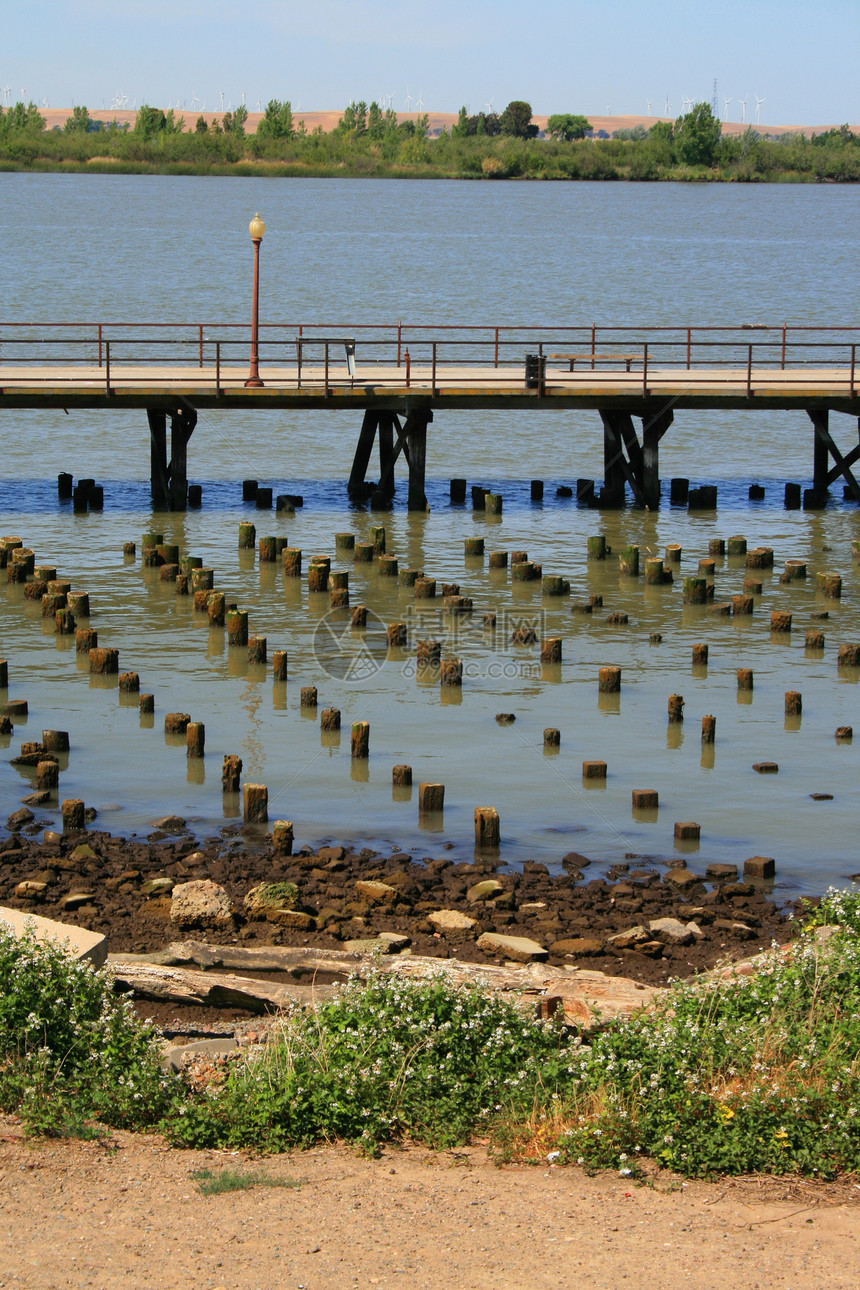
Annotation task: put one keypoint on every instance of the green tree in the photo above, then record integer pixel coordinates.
(78, 123)
(516, 120)
(566, 126)
(277, 122)
(20, 118)
(697, 136)
(237, 124)
(200, 126)
(149, 121)
(461, 129)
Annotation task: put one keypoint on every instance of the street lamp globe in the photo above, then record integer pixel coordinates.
(256, 228)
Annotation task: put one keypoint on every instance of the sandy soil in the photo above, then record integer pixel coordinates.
(328, 121)
(129, 1214)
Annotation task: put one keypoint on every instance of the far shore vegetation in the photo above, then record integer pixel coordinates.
(370, 142)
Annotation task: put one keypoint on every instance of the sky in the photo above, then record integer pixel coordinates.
(559, 55)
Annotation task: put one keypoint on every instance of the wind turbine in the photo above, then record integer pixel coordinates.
(668, 106)
(420, 103)
(194, 100)
(489, 107)
(408, 100)
(758, 103)
(743, 103)
(650, 102)
(222, 99)
(726, 103)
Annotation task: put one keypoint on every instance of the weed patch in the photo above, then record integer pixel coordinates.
(215, 1183)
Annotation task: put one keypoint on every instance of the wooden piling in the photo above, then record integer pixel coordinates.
(146, 704)
(814, 640)
(498, 560)
(830, 585)
(104, 662)
(628, 561)
(202, 579)
(676, 708)
(56, 741)
(793, 703)
(609, 680)
(654, 571)
(425, 588)
(493, 503)
(745, 678)
(742, 605)
(358, 616)
(247, 535)
(457, 491)
(709, 729)
(388, 566)
(695, 591)
(687, 831)
(4, 674)
(360, 740)
(330, 719)
(216, 607)
(377, 537)
(237, 627)
(473, 545)
(594, 770)
(282, 839)
(176, 723)
(85, 640)
(596, 547)
(363, 553)
(255, 803)
(396, 635)
(401, 776)
(760, 557)
(279, 665)
(431, 798)
(780, 621)
(552, 584)
(645, 799)
(231, 770)
(129, 683)
(848, 656)
(72, 811)
(291, 559)
(550, 649)
(737, 545)
(47, 776)
(700, 655)
(195, 739)
(487, 828)
(451, 672)
(551, 737)
(257, 649)
(308, 696)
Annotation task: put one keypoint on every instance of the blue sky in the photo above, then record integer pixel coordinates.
(801, 58)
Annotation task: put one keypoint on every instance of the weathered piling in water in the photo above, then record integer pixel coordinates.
(282, 839)
(291, 560)
(655, 571)
(330, 720)
(231, 771)
(737, 545)
(396, 635)
(279, 665)
(72, 811)
(493, 503)
(594, 770)
(216, 607)
(377, 537)
(760, 557)
(401, 776)
(247, 535)
(56, 740)
(795, 571)
(695, 591)
(745, 678)
(176, 723)
(551, 737)
(848, 656)
(431, 798)
(237, 627)
(553, 584)
(257, 649)
(676, 708)
(388, 566)
(793, 703)
(255, 803)
(360, 740)
(318, 573)
(709, 729)
(814, 640)
(457, 491)
(673, 553)
(628, 561)
(707, 567)
(742, 605)
(146, 704)
(358, 616)
(700, 655)
(596, 547)
(308, 696)
(85, 640)
(645, 799)
(487, 828)
(104, 662)
(498, 560)
(129, 683)
(451, 672)
(609, 680)
(425, 588)
(687, 831)
(830, 585)
(195, 739)
(473, 546)
(249, 490)
(550, 649)
(47, 776)
(780, 621)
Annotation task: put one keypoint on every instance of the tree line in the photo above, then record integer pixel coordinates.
(370, 140)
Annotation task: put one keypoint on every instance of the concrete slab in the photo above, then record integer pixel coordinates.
(81, 944)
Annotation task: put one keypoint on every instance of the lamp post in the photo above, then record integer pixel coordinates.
(256, 228)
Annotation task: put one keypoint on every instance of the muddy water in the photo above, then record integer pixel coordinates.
(170, 248)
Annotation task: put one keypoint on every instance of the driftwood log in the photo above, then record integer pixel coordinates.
(192, 972)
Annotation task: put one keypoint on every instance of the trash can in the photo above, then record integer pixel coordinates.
(535, 371)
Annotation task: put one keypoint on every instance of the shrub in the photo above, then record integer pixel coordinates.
(70, 1051)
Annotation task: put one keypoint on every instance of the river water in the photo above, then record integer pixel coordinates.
(113, 249)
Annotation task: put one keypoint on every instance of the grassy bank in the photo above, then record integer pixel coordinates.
(762, 1075)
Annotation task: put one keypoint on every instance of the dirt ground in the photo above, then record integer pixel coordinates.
(129, 1213)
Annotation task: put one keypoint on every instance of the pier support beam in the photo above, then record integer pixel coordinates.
(169, 477)
(408, 437)
(823, 475)
(625, 460)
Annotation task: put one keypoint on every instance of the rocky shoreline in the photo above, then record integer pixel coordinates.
(639, 921)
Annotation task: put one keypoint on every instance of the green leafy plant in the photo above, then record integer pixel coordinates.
(71, 1052)
(211, 1183)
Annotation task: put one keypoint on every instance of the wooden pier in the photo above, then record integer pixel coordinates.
(396, 379)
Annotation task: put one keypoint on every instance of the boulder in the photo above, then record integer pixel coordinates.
(19, 818)
(484, 890)
(157, 886)
(631, 939)
(671, 930)
(451, 920)
(517, 948)
(201, 903)
(267, 897)
(377, 893)
(31, 889)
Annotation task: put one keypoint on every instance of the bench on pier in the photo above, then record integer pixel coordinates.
(593, 357)
(348, 345)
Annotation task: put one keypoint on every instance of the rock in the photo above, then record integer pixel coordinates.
(697, 932)
(293, 918)
(631, 939)
(485, 890)
(722, 872)
(739, 931)
(574, 861)
(396, 940)
(76, 899)
(31, 889)
(682, 878)
(518, 948)
(19, 818)
(157, 886)
(171, 824)
(77, 941)
(269, 897)
(671, 931)
(370, 945)
(532, 906)
(766, 767)
(578, 947)
(377, 893)
(36, 799)
(762, 867)
(451, 920)
(83, 852)
(176, 1057)
(201, 903)
(505, 718)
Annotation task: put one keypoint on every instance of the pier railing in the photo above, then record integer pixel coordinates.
(315, 353)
